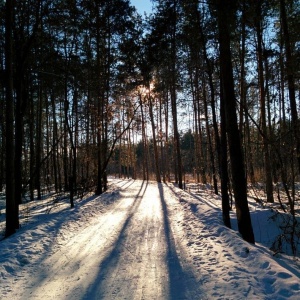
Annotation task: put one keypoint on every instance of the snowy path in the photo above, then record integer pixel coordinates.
(140, 241)
(126, 253)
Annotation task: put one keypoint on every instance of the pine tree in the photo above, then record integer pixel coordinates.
(225, 14)
(11, 204)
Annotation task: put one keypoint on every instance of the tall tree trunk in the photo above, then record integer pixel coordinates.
(32, 141)
(201, 143)
(48, 130)
(156, 159)
(2, 142)
(144, 142)
(88, 139)
(224, 165)
(210, 147)
(161, 138)
(224, 12)
(249, 147)
(173, 95)
(75, 137)
(105, 103)
(209, 72)
(196, 134)
(165, 95)
(267, 162)
(290, 77)
(19, 134)
(65, 142)
(72, 152)
(54, 143)
(99, 101)
(39, 144)
(11, 204)
(176, 139)
(243, 73)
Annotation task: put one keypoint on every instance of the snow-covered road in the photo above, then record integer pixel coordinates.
(140, 241)
(127, 252)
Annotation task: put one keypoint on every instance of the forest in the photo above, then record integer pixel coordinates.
(199, 90)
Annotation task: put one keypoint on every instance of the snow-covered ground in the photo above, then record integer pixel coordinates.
(143, 240)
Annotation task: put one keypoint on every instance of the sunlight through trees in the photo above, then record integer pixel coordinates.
(195, 91)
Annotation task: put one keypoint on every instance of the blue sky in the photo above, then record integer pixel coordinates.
(142, 6)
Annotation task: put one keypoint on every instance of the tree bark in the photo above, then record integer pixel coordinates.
(224, 166)
(290, 77)
(225, 14)
(39, 146)
(156, 159)
(173, 95)
(144, 142)
(54, 143)
(11, 204)
(267, 162)
(210, 147)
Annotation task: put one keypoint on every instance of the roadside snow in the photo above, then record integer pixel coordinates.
(142, 241)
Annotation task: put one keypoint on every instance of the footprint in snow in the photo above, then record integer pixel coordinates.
(284, 275)
(265, 265)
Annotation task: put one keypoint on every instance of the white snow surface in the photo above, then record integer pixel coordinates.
(142, 240)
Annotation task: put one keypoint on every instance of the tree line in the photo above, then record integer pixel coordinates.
(91, 87)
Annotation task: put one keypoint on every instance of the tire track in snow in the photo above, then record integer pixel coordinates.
(126, 252)
(145, 273)
(65, 274)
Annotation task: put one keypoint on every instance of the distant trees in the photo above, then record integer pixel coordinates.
(164, 41)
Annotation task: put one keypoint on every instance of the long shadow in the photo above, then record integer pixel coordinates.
(58, 219)
(52, 224)
(176, 273)
(128, 183)
(199, 198)
(112, 258)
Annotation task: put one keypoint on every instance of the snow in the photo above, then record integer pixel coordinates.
(143, 240)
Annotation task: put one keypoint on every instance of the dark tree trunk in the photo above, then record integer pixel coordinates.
(39, 144)
(19, 126)
(99, 155)
(2, 141)
(196, 133)
(290, 77)
(224, 167)
(31, 149)
(243, 73)
(210, 147)
(203, 165)
(173, 95)
(71, 179)
(167, 136)
(267, 162)
(65, 142)
(10, 184)
(235, 149)
(54, 143)
(212, 94)
(144, 141)
(100, 97)
(156, 161)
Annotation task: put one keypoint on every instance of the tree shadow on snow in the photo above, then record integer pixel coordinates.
(176, 274)
(109, 281)
(109, 263)
(53, 224)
